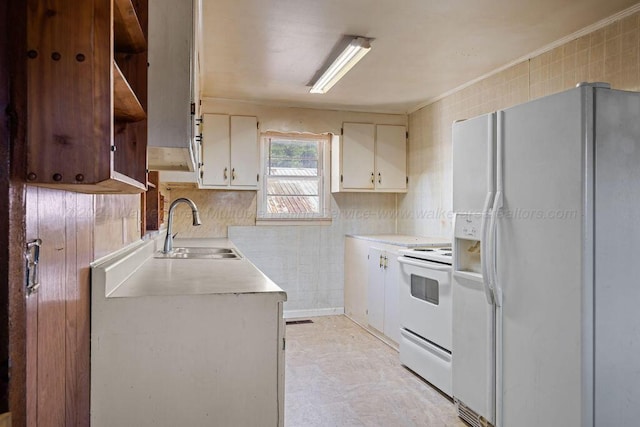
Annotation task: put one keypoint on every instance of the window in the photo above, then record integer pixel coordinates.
(295, 175)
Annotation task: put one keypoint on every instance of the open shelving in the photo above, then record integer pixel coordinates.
(87, 80)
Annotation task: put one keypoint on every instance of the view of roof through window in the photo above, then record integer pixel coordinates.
(293, 172)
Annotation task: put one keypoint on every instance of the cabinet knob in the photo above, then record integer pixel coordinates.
(373, 178)
(379, 178)
(233, 174)
(225, 174)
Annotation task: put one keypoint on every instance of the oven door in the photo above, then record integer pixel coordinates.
(425, 300)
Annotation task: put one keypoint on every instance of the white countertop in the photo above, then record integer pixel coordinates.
(403, 240)
(161, 277)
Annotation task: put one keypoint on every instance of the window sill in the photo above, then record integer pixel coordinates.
(290, 222)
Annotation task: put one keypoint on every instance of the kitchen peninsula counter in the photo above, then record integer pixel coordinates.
(165, 276)
(185, 341)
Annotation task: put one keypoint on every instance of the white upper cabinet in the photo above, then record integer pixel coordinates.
(244, 151)
(229, 152)
(358, 146)
(215, 150)
(170, 89)
(369, 158)
(391, 158)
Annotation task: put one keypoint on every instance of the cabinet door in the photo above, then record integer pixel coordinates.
(215, 150)
(244, 151)
(358, 156)
(391, 157)
(170, 40)
(391, 296)
(375, 294)
(355, 279)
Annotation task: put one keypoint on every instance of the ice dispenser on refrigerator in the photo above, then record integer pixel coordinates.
(468, 243)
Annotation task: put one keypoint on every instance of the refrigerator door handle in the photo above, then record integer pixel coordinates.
(485, 257)
(497, 205)
(493, 269)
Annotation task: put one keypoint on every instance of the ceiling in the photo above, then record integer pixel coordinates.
(269, 50)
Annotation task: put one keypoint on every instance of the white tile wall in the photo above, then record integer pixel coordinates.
(308, 261)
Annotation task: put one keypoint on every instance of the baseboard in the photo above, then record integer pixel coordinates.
(294, 314)
(379, 335)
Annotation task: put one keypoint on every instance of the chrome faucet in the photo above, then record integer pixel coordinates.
(168, 241)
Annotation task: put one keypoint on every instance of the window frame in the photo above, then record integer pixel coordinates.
(324, 185)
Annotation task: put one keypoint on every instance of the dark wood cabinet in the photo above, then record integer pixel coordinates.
(87, 95)
(152, 204)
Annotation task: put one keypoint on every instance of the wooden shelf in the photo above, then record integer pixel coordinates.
(126, 106)
(116, 184)
(127, 32)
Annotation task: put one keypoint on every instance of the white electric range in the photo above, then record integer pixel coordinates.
(425, 313)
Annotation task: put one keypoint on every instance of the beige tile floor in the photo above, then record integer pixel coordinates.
(337, 374)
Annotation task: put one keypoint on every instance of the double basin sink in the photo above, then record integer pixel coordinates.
(199, 253)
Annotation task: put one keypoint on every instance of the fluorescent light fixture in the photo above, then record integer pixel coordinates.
(354, 52)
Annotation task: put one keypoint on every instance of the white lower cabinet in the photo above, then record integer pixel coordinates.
(204, 360)
(356, 266)
(371, 283)
(178, 354)
(391, 325)
(382, 295)
(372, 279)
(375, 289)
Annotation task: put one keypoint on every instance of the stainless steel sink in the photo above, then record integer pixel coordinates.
(199, 253)
(203, 250)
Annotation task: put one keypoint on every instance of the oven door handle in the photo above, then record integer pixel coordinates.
(424, 264)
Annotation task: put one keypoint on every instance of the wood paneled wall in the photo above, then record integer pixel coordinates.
(4, 208)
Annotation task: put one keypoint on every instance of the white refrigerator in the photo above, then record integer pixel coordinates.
(546, 295)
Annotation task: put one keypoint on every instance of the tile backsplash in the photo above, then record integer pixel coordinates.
(218, 209)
